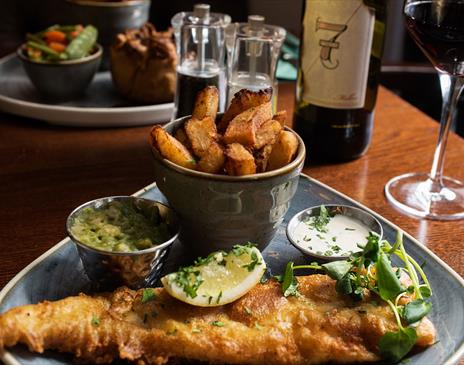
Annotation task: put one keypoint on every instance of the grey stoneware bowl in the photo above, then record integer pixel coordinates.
(62, 80)
(359, 214)
(217, 211)
(108, 270)
(109, 17)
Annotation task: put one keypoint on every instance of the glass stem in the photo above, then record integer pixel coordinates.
(447, 116)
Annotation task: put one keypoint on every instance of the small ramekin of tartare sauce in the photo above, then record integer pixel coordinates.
(332, 232)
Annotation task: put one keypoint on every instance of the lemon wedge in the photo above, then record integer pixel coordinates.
(218, 279)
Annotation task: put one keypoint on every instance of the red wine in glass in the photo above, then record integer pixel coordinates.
(437, 26)
(439, 32)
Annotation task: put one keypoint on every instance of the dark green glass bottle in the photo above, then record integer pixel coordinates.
(340, 58)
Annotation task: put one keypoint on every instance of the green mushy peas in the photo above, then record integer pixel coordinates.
(120, 227)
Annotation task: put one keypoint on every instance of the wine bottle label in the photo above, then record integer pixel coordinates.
(337, 41)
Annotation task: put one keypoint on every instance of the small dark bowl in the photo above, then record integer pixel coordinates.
(218, 211)
(110, 18)
(62, 80)
(138, 269)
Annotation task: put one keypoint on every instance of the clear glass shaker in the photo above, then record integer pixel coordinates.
(199, 37)
(253, 50)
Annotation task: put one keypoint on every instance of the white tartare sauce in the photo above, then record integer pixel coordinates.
(342, 236)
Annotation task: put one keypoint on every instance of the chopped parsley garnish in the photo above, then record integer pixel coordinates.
(239, 250)
(336, 248)
(219, 297)
(328, 253)
(248, 311)
(148, 295)
(196, 330)
(320, 236)
(334, 239)
(306, 238)
(189, 279)
(254, 261)
(349, 229)
(95, 321)
(218, 324)
(320, 222)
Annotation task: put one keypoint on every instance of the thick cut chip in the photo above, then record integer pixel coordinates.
(242, 129)
(181, 136)
(239, 160)
(281, 117)
(206, 103)
(170, 148)
(262, 157)
(243, 100)
(213, 160)
(283, 150)
(267, 133)
(200, 133)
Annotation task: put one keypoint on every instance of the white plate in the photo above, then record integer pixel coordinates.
(100, 106)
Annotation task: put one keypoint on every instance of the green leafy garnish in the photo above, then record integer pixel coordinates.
(289, 282)
(395, 345)
(189, 279)
(95, 321)
(387, 281)
(218, 324)
(414, 311)
(372, 270)
(254, 261)
(337, 269)
(320, 222)
(148, 295)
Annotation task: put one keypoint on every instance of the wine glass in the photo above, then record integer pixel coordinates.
(437, 26)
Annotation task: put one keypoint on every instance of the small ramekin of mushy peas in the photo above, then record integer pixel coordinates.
(123, 240)
(332, 232)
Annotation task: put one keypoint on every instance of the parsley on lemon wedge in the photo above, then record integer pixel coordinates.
(218, 279)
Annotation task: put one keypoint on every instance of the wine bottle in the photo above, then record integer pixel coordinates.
(338, 76)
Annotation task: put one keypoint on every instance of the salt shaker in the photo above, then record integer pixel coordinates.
(199, 37)
(253, 50)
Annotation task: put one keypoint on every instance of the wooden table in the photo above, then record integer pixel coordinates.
(46, 171)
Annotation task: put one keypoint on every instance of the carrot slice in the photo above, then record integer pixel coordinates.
(58, 47)
(55, 36)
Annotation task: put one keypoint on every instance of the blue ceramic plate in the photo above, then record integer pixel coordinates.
(99, 106)
(58, 273)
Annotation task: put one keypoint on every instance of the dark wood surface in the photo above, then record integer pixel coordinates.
(46, 171)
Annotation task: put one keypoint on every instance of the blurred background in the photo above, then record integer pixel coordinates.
(405, 70)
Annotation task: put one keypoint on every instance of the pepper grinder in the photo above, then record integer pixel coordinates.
(199, 37)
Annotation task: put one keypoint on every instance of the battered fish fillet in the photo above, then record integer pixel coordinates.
(263, 327)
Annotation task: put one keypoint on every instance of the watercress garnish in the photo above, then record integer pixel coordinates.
(372, 270)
